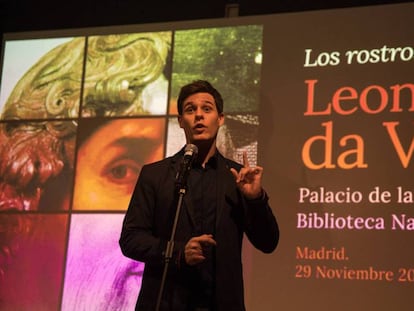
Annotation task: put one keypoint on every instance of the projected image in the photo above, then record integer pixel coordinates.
(77, 124)
(98, 276)
(32, 249)
(111, 153)
(241, 133)
(41, 78)
(229, 57)
(36, 165)
(238, 134)
(322, 100)
(125, 74)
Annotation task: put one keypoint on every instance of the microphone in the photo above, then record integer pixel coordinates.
(190, 153)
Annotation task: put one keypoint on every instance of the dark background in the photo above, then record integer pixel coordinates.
(26, 15)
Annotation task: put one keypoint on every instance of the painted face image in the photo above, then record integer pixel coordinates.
(200, 118)
(98, 276)
(110, 160)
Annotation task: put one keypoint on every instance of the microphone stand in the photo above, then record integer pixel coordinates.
(170, 246)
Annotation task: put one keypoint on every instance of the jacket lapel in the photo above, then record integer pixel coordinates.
(224, 180)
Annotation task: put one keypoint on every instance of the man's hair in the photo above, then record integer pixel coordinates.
(199, 86)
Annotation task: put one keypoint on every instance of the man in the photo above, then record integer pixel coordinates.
(223, 201)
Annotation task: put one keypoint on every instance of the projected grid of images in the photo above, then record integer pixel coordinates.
(79, 117)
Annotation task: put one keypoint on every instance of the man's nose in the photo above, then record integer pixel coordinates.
(199, 112)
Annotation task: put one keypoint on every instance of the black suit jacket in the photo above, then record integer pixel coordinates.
(147, 228)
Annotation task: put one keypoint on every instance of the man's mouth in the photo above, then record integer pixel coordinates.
(199, 127)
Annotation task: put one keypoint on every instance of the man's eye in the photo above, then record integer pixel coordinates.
(189, 110)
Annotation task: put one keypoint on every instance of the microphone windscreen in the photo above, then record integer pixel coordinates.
(190, 150)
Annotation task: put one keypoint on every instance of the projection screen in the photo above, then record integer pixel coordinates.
(323, 100)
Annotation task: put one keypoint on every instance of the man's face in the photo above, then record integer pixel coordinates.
(200, 118)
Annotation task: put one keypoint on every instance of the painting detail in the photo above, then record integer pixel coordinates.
(77, 124)
(124, 76)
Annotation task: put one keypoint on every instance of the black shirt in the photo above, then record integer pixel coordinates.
(202, 186)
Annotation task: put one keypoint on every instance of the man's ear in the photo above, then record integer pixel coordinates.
(179, 119)
(221, 119)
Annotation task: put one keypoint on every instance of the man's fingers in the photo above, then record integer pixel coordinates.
(257, 170)
(200, 241)
(207, 239)
(245, 160)
(194, 253)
